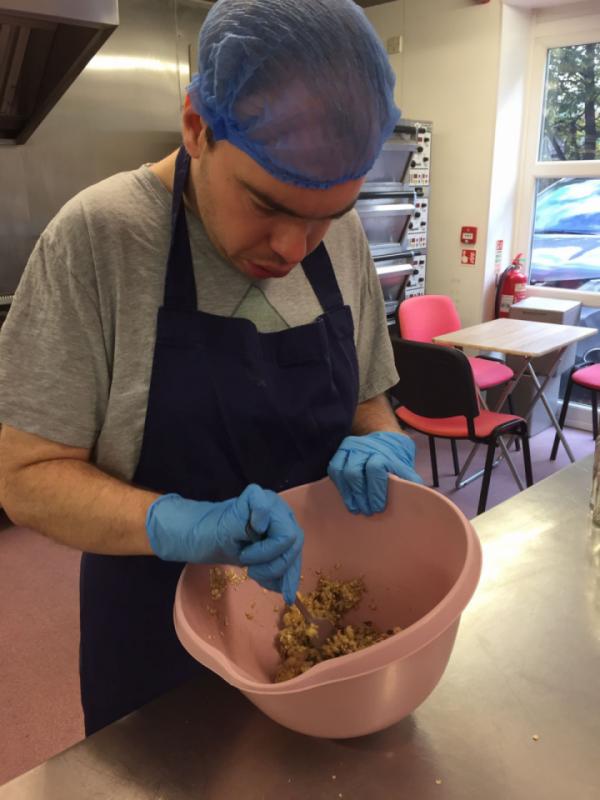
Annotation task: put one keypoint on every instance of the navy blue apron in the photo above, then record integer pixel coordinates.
(227, 406)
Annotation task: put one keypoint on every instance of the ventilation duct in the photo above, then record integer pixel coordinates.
(44, 45)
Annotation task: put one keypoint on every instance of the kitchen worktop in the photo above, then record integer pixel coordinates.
(516, 714)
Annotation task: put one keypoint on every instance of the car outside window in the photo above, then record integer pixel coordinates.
(565, 248)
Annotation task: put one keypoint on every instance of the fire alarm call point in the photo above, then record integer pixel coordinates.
(468, 235)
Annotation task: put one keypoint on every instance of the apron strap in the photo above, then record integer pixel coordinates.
(318, 269)
(180, 286)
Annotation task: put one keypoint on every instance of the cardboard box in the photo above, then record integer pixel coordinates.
(547, 309)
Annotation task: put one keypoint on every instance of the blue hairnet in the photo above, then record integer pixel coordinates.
(304, 87)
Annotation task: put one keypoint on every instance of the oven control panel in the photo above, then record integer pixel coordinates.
(416, 236)
(420, 163)
(415, 284)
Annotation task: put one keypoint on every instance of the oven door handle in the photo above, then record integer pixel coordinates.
(408, 207)
(405, 268)
(406, 129)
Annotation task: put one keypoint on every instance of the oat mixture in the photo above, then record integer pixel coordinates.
(219, 579)
(331, 599)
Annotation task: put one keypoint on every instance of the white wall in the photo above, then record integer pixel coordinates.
(512, 88)
(388, 21)
(529, 4)
(579, 9)
(448, 73)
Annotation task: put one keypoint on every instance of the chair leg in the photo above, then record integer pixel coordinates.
(594, 415)
(511, 410)
(563, 416)
(455, 456)
(526, 455)
(433, 457)
(487, 474)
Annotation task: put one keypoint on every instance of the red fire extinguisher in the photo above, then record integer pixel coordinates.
(511, 287)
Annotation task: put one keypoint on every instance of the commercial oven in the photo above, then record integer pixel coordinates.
(394, 211)
(394, 269)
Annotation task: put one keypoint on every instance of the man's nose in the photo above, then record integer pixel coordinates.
(291, 240)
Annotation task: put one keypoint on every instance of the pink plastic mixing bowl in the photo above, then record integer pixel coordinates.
(421, 561)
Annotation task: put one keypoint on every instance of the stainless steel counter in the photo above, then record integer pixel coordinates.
(516, 715)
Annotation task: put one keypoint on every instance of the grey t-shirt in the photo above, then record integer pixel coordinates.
(76, 349)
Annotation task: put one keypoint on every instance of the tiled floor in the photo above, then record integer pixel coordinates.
(39, 695)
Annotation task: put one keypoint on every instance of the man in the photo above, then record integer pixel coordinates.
(193, 337)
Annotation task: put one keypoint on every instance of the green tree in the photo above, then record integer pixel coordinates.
(572, 105)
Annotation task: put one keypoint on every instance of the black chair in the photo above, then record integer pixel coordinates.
(587, 376)
(437, 397)
(422, 318)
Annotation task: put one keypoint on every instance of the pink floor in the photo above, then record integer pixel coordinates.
(502, 484)
(39, 701)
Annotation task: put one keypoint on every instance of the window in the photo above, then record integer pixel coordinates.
(558, 218)
(571, 115)
(565, 245)
(565, 240)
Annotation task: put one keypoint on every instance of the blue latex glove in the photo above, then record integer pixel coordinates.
(361, 466)
(215, 533)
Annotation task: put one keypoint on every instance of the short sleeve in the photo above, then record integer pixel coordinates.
(376, 364)
(54, 369)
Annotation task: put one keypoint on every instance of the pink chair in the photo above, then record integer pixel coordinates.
(589, 378)
(420, 319)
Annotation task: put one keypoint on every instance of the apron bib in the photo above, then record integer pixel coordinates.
(227, 406)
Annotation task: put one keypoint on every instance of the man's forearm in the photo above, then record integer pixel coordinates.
(375, 415)
(75, 503)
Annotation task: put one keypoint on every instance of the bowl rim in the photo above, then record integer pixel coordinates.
(414, 637)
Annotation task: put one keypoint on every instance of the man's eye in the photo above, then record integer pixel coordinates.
(266, 212)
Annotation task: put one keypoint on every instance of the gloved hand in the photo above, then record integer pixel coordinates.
(361, 465)
(215, 533)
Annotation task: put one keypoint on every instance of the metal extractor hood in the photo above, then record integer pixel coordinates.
(44, 45)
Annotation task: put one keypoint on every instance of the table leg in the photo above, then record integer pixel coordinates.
(547, 406)
(461, 480)
(509, 461)
(539, 394)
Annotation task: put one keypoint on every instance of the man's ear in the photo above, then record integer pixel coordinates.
(193, 130)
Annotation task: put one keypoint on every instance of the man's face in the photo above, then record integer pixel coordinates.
(263, 226)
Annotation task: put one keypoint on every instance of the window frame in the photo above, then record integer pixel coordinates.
(547, 35)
